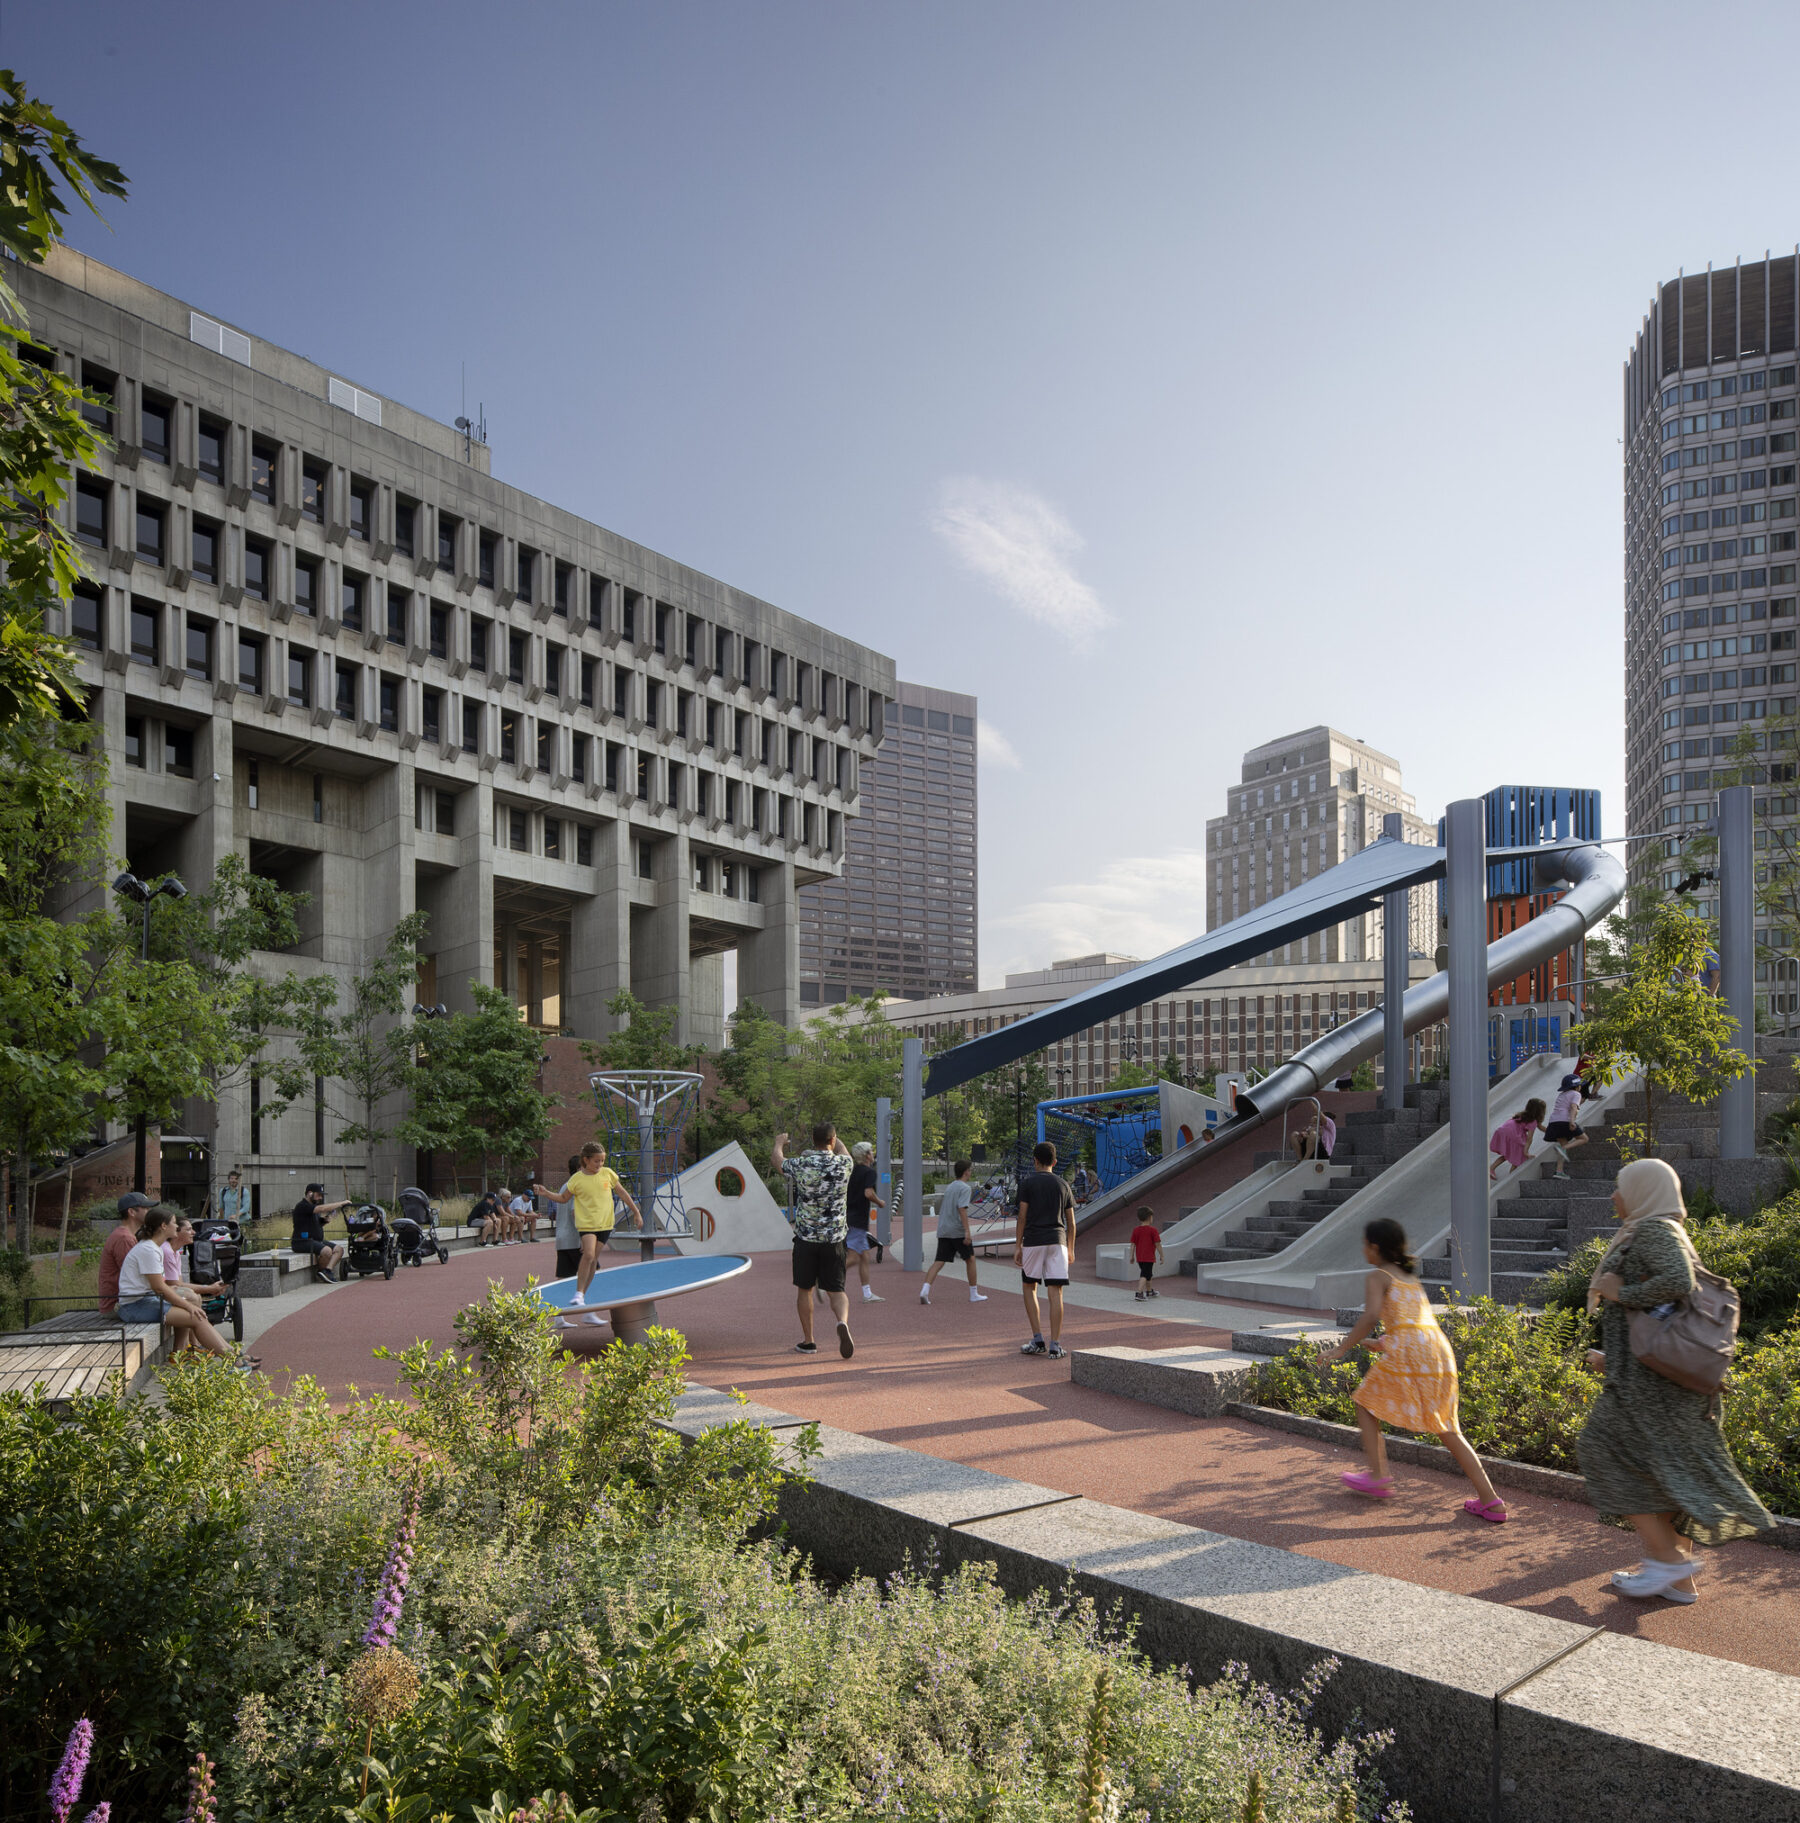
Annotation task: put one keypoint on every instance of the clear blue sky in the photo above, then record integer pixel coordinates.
(1172, 377)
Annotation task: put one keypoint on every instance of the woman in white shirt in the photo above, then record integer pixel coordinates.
(147, 1296)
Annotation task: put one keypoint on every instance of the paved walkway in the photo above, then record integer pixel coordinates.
(950, 1381)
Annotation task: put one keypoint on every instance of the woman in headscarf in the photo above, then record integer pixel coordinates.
(1652, 1452)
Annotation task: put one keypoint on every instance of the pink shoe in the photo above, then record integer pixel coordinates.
(1493, 1511)
(1360, 1481)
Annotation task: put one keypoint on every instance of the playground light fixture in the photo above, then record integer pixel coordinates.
(440, 1011)
(129, 886)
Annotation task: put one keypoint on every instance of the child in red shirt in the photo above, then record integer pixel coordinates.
(1146, 1244)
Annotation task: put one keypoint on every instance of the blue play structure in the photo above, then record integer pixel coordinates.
(1119, 1122)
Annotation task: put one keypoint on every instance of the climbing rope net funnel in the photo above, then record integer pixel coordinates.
(643, 1114)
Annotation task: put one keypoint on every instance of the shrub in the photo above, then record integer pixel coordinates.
(1762, 1417)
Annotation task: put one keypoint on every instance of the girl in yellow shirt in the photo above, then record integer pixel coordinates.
(592, 1190)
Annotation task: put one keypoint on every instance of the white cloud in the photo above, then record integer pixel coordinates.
(1021, 545)
(993, 746)
(1139, 906)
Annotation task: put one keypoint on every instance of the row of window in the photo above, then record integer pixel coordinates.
(1726, 582)
(1745, 481)
(1728, 550)
(1751, 512)
(1728, 387)
(1698, 715)
(1700, 423)
(1781, 640)
(1728, 614)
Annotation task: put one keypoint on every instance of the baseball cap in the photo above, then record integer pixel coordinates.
(133, 1199)
(310, 1188)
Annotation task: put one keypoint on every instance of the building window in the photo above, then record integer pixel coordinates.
(84, 620)
(362, 507)
(90, 512)
(478, 645)
(351, 600)
(154, 416)
(597, 600)
(628, 615)
(646, 861)
(99, 410)
(584, 845)
(200, 650)
(612, 767)
(447, 528)
(134, 740)
(390, 705)
(210, 455)
(318, 797)
(250, 663)
(145, 631)
(526, 568)
(315, 477)
(178, 751)
(405, 518)
(518, 646)
(621, 692)
(564, 582)
(487, 544)
(439, 627)
(516, 835)
(396, 616)
(306, 587)
(344, 697)
(652, 700)
(643, 776)
(265, 464)
(553, 670)
(254, 783)
(256, 569)
(509, 738)
(546, 746)
(432, 715)
(299, 680)
(578, 758)
(589, 667)
(446, 812)
(552, 839)
(206, 550)
(150, 518)
(471, 727)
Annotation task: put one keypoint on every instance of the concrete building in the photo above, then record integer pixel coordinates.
(323, 636)
(1252, 1017)
(902, 918)
(1710, 554)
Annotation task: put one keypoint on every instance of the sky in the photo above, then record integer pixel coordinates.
(1170, 377)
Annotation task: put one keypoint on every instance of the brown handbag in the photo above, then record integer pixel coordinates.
(1692, 1340)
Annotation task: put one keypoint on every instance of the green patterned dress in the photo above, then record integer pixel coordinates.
(1650, 1446)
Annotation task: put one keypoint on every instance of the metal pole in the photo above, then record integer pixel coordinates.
(1465, 892)
(1737, 966)
(884, 1164)
(647, 1178)
(143, 1119)
(1396, 947)
(912, 1154)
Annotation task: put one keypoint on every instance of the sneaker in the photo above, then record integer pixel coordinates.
(846, 1347)
(1055, 1351)
(1137, 1297)
(596, 1320)
(806, 1348)
(977, 1297)
(872, 1297)
(924, 1294)
(1034, 1347)
(578, 1301)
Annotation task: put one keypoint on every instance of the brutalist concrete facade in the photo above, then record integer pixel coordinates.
(323, 636)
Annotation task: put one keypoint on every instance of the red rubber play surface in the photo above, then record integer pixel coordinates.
(950, 1381)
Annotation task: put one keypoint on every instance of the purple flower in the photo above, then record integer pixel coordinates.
(390, 1592)
(65, 1788)
(101, 1813)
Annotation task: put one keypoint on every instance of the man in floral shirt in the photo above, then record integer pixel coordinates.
(819, 1180)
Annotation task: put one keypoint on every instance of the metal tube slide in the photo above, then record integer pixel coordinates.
(1596, 882)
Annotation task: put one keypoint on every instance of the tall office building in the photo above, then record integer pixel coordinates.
(1302, 804)
(901, 919)
(1710, 558)
(322, 636)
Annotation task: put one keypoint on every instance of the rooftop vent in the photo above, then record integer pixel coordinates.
(353, 398)
(218, 338)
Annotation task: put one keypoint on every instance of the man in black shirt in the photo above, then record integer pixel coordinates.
(861, 1201)
(309, 1232)
(1044, 1246)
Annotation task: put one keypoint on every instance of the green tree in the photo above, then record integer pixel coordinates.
(645, 1041)
(1132, 1076)
(363, 1049)
(1007, 1100)
(1662, 1019)
(754, 1092)
(476, 1086)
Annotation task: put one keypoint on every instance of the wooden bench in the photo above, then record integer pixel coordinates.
(79, 1352)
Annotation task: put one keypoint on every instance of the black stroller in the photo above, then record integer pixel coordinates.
(218, 1246)
(372, 1246)
(415, 1229)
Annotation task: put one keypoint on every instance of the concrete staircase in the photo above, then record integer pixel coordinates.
(1368, 1143)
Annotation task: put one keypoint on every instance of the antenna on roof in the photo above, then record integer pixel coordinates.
(474, 431)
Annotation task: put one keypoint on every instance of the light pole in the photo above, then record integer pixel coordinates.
(129, 886)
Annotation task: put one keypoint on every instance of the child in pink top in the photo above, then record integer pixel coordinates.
(1512, 1138)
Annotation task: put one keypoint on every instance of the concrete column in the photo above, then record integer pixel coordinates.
(912, 1142)
(600, 935)
(706, 1001)
(884, 1164)
(1737, 965)
(461, 905)
(1466, 895)
(660, 935)
(1395, 942)
(769, 960)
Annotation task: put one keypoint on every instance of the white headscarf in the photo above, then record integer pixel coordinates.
(1650, 1191)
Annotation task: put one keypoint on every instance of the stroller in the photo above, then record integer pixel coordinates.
(415, 1229)
(218, 1246)
(372, 1246)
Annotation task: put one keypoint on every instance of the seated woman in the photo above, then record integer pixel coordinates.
(146, 1296)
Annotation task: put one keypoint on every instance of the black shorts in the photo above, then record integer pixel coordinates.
(949, 1249)
(1146, 1269)
(315, 1248)
(819, 1265)
(1561, 1129)
(568, 1262)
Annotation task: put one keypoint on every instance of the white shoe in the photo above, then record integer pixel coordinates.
(977, 1297)
(1652, 1577)
(578, 1302)
(870, 1297)
(595, 1320)
(925, 1294)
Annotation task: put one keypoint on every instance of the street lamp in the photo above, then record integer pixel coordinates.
(129, 886)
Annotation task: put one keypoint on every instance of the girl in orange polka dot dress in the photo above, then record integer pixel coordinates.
(1413, 1382)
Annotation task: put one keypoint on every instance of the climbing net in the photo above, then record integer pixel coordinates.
(642, 1116)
